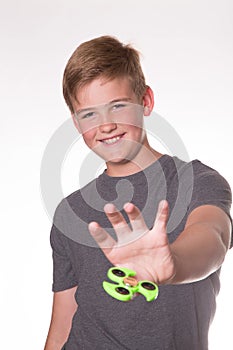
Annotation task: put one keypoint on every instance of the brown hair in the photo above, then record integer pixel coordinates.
(106, 57)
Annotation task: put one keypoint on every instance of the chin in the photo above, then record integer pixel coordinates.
(117, 161)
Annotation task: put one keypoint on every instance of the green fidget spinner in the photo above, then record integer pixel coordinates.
(126, 285)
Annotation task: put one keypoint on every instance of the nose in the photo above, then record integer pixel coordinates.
(107, 124)
(107, 127)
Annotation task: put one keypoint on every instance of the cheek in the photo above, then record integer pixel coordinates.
(135, 130)
(134, 121)
(89, 137)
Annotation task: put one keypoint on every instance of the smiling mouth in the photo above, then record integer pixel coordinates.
(112, 140)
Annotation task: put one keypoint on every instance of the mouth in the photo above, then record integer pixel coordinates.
(112, 140)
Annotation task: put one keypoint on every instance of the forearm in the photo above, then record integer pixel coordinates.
(64, 307)
(199, 251)
(56, 338)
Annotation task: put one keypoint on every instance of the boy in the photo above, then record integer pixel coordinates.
(166, 219)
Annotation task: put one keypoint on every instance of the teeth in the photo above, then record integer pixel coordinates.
(113, 140)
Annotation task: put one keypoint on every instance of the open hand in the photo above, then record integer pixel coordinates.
(145, 251)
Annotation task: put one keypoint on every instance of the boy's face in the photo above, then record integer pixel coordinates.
(110, 118)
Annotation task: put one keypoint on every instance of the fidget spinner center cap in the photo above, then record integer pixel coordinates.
(130, 281)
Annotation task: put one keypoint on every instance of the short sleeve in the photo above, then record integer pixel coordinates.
(210, 188)
(63, 273)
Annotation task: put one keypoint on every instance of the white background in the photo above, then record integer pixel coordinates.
(187, 58)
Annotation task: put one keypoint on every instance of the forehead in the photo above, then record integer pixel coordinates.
(101, 91)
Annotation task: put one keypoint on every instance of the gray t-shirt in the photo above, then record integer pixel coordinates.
(181, 315)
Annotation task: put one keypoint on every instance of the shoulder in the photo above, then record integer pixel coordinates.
(196, 169)
(200, 184)
(209, 188)
(76, 195)
(210, 178)
(72, 207)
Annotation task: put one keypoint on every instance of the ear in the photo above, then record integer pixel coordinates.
(76, 123)
(148, 101)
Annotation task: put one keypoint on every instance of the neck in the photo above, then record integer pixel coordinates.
(129, 167)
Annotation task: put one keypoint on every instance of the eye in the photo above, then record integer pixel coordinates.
(118, 106)
(87, 115)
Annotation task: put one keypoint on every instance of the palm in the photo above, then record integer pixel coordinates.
(143, 250)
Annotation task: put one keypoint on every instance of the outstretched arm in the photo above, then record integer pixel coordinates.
(201, 247)
(199, 250)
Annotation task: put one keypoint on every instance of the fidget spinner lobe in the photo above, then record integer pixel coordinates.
(126, 285)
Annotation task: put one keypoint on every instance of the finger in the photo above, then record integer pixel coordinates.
(136, 219)
(103, 239)
(117, 220)
(162, 215)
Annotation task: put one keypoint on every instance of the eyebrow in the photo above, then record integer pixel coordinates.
(123, 99)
